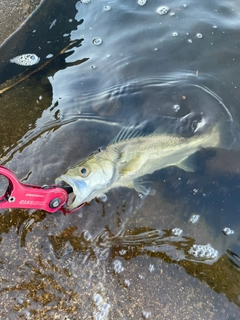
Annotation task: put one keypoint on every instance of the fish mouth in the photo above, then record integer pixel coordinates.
(68, 186)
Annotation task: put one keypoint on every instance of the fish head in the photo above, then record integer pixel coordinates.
(88, 179)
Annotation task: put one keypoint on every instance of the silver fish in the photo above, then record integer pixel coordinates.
(130, 156)
(28, 59)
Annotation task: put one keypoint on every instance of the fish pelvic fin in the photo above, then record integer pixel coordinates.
(187, 164)
(140, 186)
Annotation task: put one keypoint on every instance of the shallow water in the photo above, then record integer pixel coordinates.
(103, 64)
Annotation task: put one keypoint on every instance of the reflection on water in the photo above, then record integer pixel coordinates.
(101, 66)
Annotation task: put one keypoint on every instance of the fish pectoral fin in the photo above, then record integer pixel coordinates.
(130, 167)
(140, 187)
(187, 164)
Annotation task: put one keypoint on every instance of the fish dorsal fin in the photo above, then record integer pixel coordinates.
(185, 126)
(126, 133)
(168, 126)
(132, 131)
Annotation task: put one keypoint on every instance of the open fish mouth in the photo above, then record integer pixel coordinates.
(69, 189)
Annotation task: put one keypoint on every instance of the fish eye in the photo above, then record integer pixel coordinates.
(84, 171)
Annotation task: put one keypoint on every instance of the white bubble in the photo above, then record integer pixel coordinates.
(214, 27)
(97, 298)
(199, 35)
(50, 55)
(142, 2)
(102, 307)
(185, 5)
(228, 231)
(107, 8)
(177, 231)
(151, 267)
(93, 66)
(172, 14)
(127, 282)
(87, 235)
(194, 218)
(190, 40)
(162, 10)
(195, 191)
(117, 266)
(176, 107)
(175, 34)
(203, 251)
(85, 1)
(146, 314)
(97, 41)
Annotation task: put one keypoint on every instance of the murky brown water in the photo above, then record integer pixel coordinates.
(122, 259)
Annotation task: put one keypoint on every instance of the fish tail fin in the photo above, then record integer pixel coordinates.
(229, 135)
(222, 131)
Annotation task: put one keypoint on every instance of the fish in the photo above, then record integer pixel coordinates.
(131, 155)
(28, 59)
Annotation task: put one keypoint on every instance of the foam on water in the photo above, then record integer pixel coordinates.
(117, 266)
(177, 231)
(228, 231)
(194, 218)
(203, 251)
(162, 10)
(26, 60)
(102, 307)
